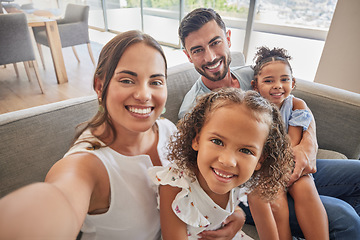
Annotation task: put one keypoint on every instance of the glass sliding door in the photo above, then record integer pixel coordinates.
(123, 15)
(161, 20)
(299, 26)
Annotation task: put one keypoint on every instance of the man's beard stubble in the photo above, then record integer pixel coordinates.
(218, 75)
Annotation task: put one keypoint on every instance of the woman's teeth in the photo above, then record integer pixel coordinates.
(140, 110)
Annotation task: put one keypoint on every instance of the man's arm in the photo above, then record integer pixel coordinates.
(305, 153)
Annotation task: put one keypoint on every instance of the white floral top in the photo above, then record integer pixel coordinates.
(192, 205)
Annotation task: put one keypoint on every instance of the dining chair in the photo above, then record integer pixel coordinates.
(16, 44)
(73, 30)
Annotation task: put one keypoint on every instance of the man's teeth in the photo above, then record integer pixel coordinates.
(140, 110)
(222, 175)
(214, 66)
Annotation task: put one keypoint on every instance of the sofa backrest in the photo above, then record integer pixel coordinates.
(33, 139)
(337, 116)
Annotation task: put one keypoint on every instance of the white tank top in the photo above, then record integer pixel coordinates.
(133, 212)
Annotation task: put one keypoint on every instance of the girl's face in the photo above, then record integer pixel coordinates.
(275, 82)
(229, 148)
(137, 91)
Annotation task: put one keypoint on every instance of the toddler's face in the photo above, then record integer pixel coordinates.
(275, 82)
(229, 148)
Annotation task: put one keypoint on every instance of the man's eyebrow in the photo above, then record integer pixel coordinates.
(212, 40)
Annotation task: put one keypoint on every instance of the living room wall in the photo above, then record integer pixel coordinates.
(340, 61)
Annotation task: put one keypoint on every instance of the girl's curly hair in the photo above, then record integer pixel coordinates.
(264, 56)
(278, 159)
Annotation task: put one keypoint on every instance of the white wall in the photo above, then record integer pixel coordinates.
(340, 61)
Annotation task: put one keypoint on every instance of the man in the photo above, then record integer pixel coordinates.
(207, 45)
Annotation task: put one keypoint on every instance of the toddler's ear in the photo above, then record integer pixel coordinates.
(195, 143)
(293, 82)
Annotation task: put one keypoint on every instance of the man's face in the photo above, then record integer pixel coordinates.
(209, 50)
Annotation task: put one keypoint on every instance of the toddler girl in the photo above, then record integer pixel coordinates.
(274, 81)
(232, 143)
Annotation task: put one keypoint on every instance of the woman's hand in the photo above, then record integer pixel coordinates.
(232, 225)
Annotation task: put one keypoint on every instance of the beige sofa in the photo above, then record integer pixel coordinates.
(32, 140)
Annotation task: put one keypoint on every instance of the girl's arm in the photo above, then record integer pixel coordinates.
(263, 217)
(172, 228)
(296, 133)
(305, 151)
(54, 209)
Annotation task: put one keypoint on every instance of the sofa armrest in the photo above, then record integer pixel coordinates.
(337, 115)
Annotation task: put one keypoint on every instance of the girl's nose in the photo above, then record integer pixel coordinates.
(227, 159)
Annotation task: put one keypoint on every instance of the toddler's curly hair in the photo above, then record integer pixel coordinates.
(265, 55)
(278, 158)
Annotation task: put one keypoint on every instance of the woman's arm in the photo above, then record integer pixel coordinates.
(172, 228)
(305, 152)
(52, 209)
(263, 217)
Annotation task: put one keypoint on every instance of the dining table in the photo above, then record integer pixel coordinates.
(53, 37)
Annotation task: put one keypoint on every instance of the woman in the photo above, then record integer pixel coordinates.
(101, 185)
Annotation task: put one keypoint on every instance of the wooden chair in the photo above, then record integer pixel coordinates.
(73, 30)
(16, 45)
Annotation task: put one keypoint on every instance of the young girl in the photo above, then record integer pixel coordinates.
(274, 81)
(233, 142)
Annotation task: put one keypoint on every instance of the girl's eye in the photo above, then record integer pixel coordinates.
(268, 81)
(217, 142)
(246, 151)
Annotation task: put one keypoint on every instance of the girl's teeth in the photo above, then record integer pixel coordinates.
(140, 110)
(222, 175)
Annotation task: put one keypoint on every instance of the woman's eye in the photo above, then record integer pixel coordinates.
(246, 151)
(126, 81)
(217, 142)
(157, 83)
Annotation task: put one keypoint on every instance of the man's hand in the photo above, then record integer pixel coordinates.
(305, 154)
(232, 225)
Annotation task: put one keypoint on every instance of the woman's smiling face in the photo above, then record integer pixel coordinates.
(137, 91)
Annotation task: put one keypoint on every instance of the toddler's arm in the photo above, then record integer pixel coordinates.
(263, 217)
